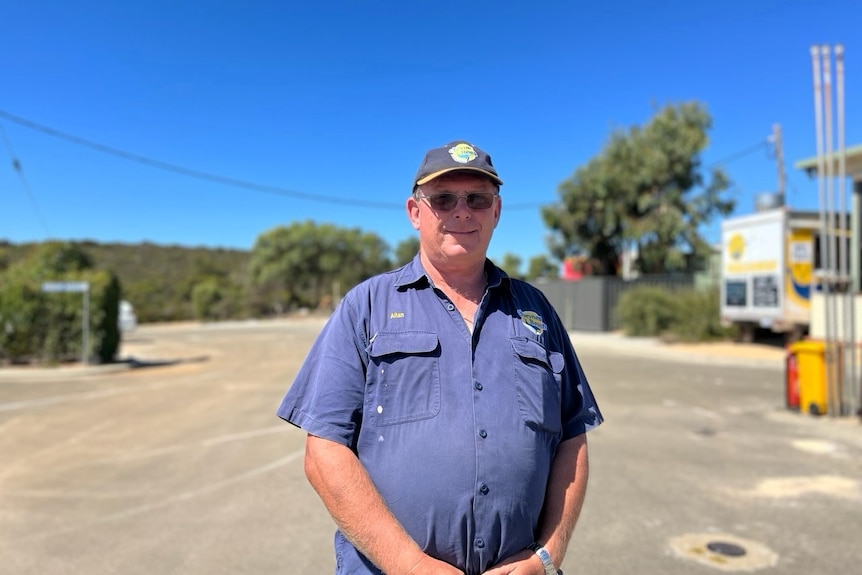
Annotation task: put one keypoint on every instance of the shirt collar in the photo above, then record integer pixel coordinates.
(413, 274)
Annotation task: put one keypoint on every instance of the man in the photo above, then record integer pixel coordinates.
(445, 408)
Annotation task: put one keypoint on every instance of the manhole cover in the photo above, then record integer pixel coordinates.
(724, 551)
(725, 548)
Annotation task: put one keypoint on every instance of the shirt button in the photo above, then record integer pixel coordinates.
(478, 386)
(483, 489)
(483, 434)
(480, 543)
(450, 307)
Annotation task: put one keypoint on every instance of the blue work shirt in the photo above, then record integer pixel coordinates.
(457, 430)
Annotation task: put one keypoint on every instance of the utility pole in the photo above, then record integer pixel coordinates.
(779, 158)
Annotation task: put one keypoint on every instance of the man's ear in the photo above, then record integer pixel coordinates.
(412, 206)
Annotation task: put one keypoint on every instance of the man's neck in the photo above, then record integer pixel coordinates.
(467, 282)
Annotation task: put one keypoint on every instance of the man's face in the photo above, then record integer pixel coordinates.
(462, 234)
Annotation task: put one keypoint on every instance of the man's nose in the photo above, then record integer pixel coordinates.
(462, 208)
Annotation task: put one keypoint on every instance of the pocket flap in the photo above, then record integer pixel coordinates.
(531, 349)
(404, 342)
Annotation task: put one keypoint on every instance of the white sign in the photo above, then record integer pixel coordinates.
(66, 286)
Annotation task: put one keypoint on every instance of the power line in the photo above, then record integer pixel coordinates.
(16, 165)
(740, 154)
(276, 190)
(192, 173)
(201, 175)
(735, 156)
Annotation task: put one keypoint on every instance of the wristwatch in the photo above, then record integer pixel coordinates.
(550, 568)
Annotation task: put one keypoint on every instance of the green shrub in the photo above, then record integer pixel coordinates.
(698, 316)
(684, 314)
(48, 327)
(647, 310)
(206, 297)
(20, 306)
(105, 295)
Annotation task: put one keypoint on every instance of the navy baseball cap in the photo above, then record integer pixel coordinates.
(457, 156)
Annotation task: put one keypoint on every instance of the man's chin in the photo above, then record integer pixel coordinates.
(463, 249)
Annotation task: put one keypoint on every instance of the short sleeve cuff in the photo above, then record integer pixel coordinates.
(317, 428)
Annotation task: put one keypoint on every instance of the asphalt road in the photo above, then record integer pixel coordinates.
(181, 466)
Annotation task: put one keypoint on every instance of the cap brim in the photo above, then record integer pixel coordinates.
(439, 173)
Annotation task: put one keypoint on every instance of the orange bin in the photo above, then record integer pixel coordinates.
(791, 380)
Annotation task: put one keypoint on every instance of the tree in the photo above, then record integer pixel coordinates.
(54, 258)
(158, 280)
(309, 265)
(645, 190)
(206, 297)
(406, 250)
(48, 327)
(511, 264)
(541, 267)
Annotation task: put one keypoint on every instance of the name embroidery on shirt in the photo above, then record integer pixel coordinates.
(533, 321)
(396, 315)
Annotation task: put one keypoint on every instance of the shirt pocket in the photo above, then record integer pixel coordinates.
(538, 376)
(404, 377)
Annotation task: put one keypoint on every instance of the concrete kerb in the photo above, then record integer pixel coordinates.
(11, 374)
(723, 353)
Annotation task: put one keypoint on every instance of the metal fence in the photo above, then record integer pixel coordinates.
(589, 304)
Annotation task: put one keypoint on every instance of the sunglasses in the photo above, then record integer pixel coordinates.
(448, 201)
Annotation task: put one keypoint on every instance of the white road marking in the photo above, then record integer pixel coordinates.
(178, 498)
(218, 440)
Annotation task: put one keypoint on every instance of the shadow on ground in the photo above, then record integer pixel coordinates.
(135, 363)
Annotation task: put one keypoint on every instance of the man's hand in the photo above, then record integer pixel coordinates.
(522, 563)
(360, 512)
(430, 566)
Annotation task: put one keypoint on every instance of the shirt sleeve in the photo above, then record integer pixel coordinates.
(326, 397)
(580, 410)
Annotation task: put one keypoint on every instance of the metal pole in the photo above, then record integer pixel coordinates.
(832, 349)
(86, 327)
(855, 234)
(779, 159)
(856, 211)
(824, 259)
(848, 332)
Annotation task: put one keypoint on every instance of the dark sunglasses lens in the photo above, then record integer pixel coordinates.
(480, 201)
(443, 202)
(446, 202)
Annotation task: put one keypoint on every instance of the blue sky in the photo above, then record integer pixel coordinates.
(340, 100)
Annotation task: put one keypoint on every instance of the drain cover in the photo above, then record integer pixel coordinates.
(725, 548)
(724, 551)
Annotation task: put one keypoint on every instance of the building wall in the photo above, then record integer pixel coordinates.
(590, 304)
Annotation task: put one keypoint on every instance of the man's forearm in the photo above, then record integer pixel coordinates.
(351, 498)
(564, 498)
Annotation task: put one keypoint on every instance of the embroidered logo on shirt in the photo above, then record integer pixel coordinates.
(396, 315)
(533, 321)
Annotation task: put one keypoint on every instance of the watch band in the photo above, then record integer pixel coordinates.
(550, 568)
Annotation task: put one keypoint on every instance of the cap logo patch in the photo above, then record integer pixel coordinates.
(533, 321)
(463, 153)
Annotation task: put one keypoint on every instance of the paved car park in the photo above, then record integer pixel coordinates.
(174, 462)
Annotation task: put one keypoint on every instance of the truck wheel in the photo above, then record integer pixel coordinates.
(796, 334)
(746, 333)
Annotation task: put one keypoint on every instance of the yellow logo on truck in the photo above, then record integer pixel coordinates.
(800, 260)
(736, 246)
